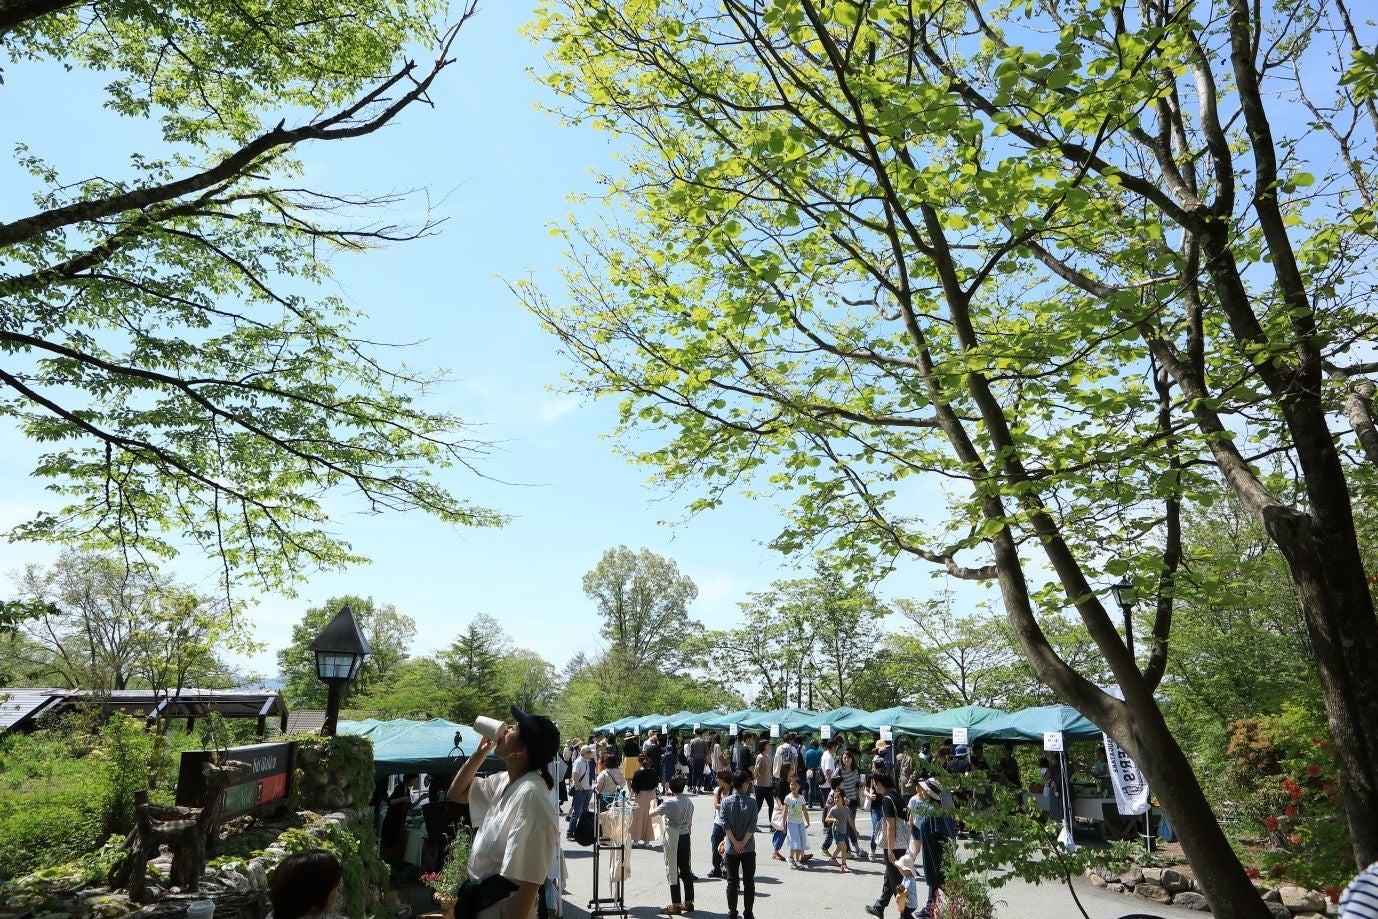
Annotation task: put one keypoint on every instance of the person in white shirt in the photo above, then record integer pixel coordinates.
(581, 787)
(517, 820)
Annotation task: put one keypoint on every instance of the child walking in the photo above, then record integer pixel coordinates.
(797, 823)
(678, 813)
(838, 820)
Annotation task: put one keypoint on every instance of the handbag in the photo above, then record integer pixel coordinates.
(777, 819)
(584, 829)
(476, 896)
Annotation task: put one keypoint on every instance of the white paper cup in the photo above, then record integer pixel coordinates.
(201, 909)
(488, 727)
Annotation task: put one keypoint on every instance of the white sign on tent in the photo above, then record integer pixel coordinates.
(775, 730)
(959, 735)
(732, 730)
(826, 731)
(664, 729)
(887, 732)
(1052, 741)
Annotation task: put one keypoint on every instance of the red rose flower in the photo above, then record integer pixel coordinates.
(1271, 823)
(1289, 811)
(1252, 872)
(1312, 769)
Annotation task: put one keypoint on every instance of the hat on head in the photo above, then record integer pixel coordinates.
(905, 862)
(882, 744)
(959, 750)
(539, 735)
(588, 748)
(932, 788)
(628, 734)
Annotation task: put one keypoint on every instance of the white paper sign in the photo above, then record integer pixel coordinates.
(1052, 741)
(664, 729)
(775, 730)
(959, 735)
(826, 731)
(886, 733)
(698, 727)
(732, 730)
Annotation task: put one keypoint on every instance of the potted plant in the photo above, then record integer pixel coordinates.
(445, 883)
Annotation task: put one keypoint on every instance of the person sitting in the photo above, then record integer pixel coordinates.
(305, 884)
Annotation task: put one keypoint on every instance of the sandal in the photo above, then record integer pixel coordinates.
(777, 856)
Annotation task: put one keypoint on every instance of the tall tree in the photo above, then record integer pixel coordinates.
(158, 334)
(529, 680)
(644, 602)
(96, 622)
(390, 634)
(1061, 253)
(473, 662)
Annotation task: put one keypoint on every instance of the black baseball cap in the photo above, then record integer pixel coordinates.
(539, 735)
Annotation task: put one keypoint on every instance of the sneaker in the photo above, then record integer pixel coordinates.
(716, 873)
(674, 909)
(875, 910)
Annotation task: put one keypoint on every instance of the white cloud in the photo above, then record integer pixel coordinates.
(552, 408)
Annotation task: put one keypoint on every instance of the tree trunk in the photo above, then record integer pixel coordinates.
(1170, 775)
(1338, 608)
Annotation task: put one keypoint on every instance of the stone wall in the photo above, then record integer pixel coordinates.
(1177, 885)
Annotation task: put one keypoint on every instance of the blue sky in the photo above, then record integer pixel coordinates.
(502, 171)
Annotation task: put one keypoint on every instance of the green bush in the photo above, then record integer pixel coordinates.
(344, 762)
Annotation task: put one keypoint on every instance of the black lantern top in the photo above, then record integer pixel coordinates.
(340, 647)
(1125, 594)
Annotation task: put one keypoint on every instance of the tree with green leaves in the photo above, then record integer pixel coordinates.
(419, 687)
(644, 602)
(389, 633)
(1079, 261)
(96, 622)
(160, 337)
(529, 680)
(804, 642)
(474, 665)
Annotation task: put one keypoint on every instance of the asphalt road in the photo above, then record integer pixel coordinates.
(821, 891)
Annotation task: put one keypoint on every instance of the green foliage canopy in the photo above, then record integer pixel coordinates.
(160, 336)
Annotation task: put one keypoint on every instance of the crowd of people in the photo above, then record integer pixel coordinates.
(781, 786)
(784, 786)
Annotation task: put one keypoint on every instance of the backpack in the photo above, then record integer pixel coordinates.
(584, 829)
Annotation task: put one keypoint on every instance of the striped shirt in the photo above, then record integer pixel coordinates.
(1360, 899)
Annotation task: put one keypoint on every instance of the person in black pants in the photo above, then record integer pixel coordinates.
(894, 840)
(739, 845)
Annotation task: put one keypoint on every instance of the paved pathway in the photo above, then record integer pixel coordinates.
(785, 894)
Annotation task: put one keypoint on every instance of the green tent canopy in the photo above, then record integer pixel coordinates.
(872, 722)
(1030, 724)
(685, 721)
(940, 724)
(789, 719)
(832, 717)
(402, 745)
(620, 724)
(728, 719)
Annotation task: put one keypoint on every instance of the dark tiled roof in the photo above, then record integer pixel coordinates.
(305, 721)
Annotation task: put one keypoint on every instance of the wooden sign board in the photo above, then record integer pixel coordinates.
(269, 779)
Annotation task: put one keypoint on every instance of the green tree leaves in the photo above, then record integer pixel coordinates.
(161, 336)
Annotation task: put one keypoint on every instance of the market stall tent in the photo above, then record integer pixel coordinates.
(940, 724)
(1030, 724)
(872, 722)
(789, 719)
(687, 722)
(403, 745)
(729, 718)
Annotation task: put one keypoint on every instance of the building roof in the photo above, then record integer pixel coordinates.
(305, 721)
(23, 706)
(18, 705)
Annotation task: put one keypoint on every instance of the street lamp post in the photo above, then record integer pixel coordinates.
(1124, 597)
(339, 650)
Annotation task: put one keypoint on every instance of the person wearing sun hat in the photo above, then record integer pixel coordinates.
(936, 831)
(518, 823)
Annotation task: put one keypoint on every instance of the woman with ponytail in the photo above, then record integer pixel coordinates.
(518, 824)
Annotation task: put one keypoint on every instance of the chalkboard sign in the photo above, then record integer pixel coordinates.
(269, 779)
